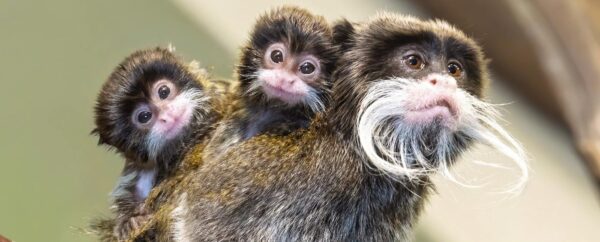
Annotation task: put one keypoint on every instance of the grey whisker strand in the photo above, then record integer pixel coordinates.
(419, 159)
(489, 132)
(241, 65)
(249, 75)
(254, 87)
(314, 101)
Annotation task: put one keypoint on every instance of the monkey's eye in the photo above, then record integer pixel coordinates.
(163, 92)
(144, 116)
(307, 68)
(414, 62)
(277, 56)
(455, 70)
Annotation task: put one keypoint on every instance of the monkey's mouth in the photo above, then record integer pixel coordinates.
(288, 96)
(429, 109)
(440, 103)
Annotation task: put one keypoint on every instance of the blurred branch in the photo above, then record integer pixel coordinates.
(548, 50)
(580, 50)
(4, 239)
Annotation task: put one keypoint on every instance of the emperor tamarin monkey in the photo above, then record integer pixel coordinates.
(285, 68)
(150, 110)
(284, 76)
(406, 101)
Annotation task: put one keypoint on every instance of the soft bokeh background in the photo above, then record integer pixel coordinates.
(54, 56)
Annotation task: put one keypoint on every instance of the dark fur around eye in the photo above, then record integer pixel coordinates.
(307, 68)
(277, 56)
(163, 92)
(455, 70)
(144, 116)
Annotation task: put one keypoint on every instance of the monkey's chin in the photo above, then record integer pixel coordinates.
(436, 115)
(403, 129)
(173, 131)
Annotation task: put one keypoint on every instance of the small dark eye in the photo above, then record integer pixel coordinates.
(144, 116)
(277, 56)
(414, 62)
(455, 70)
(307, 68)
(163, 92)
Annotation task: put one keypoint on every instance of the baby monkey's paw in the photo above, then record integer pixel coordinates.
(129, 226)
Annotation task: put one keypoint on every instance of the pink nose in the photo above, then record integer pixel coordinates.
(442, 81)
(165, 118)
(286, 82)
(168, 116)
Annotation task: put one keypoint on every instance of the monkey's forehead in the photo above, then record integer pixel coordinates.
(296, 27)
(387, 24)
(137, 80)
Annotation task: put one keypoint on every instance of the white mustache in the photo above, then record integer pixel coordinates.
(400, 150)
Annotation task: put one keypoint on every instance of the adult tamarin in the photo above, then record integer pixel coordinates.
(151, 110)
(406, 101)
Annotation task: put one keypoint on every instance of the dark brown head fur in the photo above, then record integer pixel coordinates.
(127, 87)
(373, 45)
(302, 32)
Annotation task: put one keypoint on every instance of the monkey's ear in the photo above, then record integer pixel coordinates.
(343, 34)
(101, 141)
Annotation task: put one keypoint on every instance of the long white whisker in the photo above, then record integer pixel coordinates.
(314, 101)
(404, 150)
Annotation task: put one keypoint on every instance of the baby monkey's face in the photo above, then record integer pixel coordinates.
(288, 76)
(164, 112)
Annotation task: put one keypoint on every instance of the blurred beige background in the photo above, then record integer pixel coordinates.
(54, 55)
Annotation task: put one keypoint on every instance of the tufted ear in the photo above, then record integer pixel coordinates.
(96, 132)
(343, 34)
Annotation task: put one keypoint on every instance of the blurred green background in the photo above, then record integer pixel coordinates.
(54, 56)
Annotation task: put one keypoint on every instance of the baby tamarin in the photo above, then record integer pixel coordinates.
(284, 76)
(285, 68)
(150, 110)
(406, 101)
